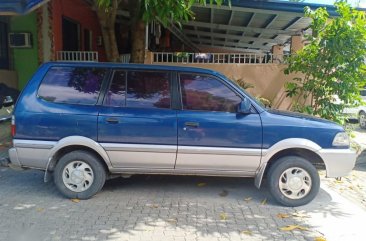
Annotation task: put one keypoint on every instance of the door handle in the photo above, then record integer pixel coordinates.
(192, 124)
(112, 120)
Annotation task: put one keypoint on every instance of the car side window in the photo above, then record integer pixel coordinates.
(203, 92)
(72, 85)
(144, 89)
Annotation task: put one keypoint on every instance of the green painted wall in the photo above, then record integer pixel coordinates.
(25, 60)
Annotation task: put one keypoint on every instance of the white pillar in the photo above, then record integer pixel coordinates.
(277, 51)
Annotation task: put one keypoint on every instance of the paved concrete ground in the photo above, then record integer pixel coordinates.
(336, 217)
(166, 208)
(353, 186)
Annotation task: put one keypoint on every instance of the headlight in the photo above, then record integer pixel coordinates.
(341, 139)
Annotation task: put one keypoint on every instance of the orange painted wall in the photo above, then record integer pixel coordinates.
(81, 12)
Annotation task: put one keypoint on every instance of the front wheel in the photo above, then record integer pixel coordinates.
(293, 181)
(79, 174)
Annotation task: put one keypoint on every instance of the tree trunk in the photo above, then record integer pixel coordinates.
(137, 31)
(138, 42)
(107, 20)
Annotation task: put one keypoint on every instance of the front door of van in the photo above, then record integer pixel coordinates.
(136, 125)
(211, 134)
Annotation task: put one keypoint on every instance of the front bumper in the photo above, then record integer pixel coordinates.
(338, 162)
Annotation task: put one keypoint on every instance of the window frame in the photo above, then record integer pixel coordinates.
(110, 81)
(127, 72)
(101, 90)
(236, 92)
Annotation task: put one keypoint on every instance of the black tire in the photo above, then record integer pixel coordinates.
(98, 170)
(362, 120)
(288, 163)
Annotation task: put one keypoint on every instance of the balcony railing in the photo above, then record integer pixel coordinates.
(219, 58)
(125, 58)
(79, 56)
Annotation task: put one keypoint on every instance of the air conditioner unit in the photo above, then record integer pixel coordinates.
(20, 40)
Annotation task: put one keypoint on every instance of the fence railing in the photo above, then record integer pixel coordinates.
(83, 56)
(125, 58)
(219, 58)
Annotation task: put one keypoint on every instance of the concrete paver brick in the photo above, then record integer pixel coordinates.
(129, 211)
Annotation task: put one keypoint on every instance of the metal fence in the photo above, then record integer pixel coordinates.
(125, 58)
(80, 56)
(219, 58)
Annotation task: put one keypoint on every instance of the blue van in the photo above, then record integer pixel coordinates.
(84, 122)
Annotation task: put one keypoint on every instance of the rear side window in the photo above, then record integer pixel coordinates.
(72, 85)
(139, 89)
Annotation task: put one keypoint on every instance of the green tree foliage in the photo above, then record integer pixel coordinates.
(332, 65)
(166, 11)
(171, 11)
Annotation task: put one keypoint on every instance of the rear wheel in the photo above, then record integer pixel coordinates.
(293, 181)
(79, 174)
(362, 120)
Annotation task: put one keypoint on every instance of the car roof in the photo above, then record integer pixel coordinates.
(134, 66)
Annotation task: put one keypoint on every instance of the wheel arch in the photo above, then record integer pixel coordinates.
(307, 154)
(73, 143)
(293, 146)
(66, 149)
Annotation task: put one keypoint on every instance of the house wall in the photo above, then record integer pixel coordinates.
(25, 60)
(268, 79)
(81, 12)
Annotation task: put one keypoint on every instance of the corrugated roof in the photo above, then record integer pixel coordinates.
(248, 25)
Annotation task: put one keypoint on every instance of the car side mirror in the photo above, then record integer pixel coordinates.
(8, 101)
(244, 106)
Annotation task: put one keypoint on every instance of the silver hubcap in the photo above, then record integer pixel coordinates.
(78, 176)
(362, 120)
(295, 183)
